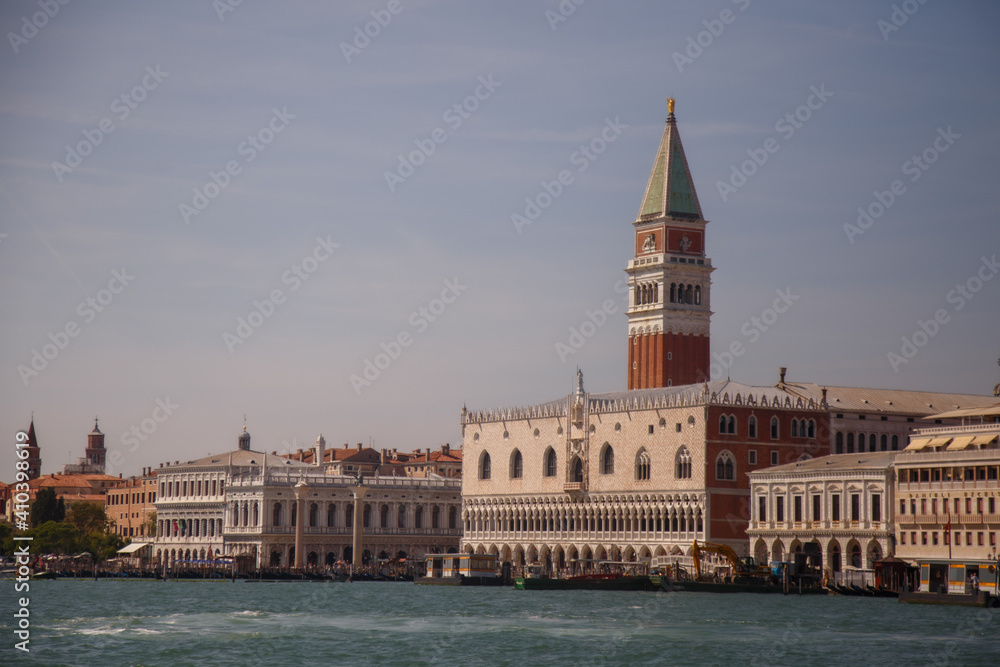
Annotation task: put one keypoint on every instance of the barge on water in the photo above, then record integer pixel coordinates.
(462, 570)
(609, 576)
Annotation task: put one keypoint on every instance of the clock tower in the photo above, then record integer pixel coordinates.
(670, 277)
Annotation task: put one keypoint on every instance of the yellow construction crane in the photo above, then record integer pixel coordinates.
(744, 567)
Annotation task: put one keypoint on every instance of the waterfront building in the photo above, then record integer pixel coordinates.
(862, 419)
(131, 503)
(835, 509)
(626, 475)
(948, 500)
(446, 462)
(257, 507)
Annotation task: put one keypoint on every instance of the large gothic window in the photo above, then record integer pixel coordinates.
(725, 468)
(642, 465)
(484, 466)
(683, 467)
(577, 470)
(607, 460)
(752, 427)
(516, 465)
(550, 463)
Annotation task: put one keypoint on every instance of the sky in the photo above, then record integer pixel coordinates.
(346, 218)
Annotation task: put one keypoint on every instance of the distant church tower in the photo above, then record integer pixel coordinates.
(670, 277)
(95, 448)
(34, 453)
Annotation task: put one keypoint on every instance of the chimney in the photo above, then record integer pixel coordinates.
(824, 395)
(445, 448)
(320, 449)
(359, 446)
(781, 374)
(385, 456)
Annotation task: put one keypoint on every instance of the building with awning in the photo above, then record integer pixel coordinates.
(947, 509)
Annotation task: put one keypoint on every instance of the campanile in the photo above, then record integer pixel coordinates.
(670, 277)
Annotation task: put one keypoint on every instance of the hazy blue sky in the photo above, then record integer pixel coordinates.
(308, 117)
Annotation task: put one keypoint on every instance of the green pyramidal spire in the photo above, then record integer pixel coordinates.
(670, 191)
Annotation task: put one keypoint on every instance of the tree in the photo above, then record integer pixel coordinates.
(60, 510)
(89, 517)
(55, 537)
(45, 507)
(150, 525)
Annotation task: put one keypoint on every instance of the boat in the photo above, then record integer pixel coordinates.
(976, 599)
(462, 570)
(610, 576)
(692, 586)
(587, 582)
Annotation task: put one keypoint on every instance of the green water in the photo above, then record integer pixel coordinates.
(224, 623)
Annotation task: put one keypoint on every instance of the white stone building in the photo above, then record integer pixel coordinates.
(836, 508)
(948, 500)
(243, 504)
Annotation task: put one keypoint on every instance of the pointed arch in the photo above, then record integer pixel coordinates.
(550, 463)
(725, 466)
(607, 459)
(642, 465)
(516, 464)
(682, 466)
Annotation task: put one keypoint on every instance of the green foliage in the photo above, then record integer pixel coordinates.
(89, 517)
(45, 507)
(150, 525)
(55, 537)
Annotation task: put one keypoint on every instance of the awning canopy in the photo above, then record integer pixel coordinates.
(939, 442)
(988, 411)
(961, 442)
(132, 548)
(984, 439)
(917, 445)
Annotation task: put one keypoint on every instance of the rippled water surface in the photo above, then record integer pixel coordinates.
(250, 623)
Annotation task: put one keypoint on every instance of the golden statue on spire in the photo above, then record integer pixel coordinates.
(670, 105)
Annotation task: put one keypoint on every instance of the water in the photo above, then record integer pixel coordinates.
(283, 623)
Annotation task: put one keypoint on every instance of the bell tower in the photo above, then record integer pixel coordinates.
(670, 277)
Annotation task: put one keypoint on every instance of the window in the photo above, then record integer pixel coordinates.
(812, 428)
(577, 467)
(835, 507)
(839, 439)
(779, 508)
(732, 425)
(484, 467)
(798, 508)
(383, 516)
(762, 508)
(331, 515)
(861, 442)
(850, 443)
(313, 515)
(817, 504)
(276, 515)
(550, 463)
(642, 465)
(876, 507)
(795, 428)
(774, 428)
(725, 469)
(855, 507)
(753, 457)
(752, 427)
(774, 458)
(516, 465)
(607, 460)
(683, 467)
(418, 517)
(895, 442)
(401, 516)
(902, 538)
(884, 443)
(651, 429)
(678, 428)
